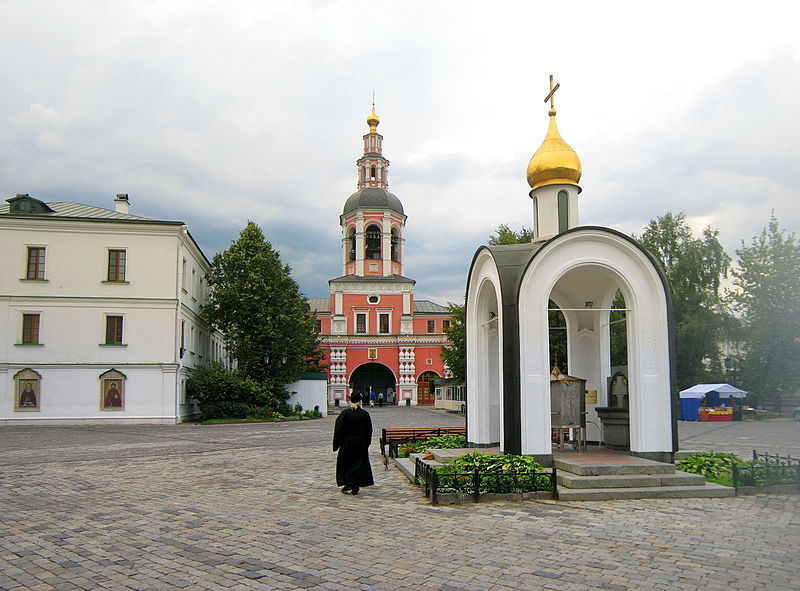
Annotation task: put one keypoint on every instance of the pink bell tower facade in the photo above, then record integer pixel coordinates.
(377, 338)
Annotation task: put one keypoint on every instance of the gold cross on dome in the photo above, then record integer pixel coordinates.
(553, 89)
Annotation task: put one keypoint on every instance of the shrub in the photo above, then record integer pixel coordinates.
(441, 442)
(711, 464)
(504, 473)
(213, 383)
(229, 410)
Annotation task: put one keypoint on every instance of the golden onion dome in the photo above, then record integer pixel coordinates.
(555, 162)
(373, 120)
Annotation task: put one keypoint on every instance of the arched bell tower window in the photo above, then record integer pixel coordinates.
(351, 244)
(372, 175)
(563, 211)
(373, 246)
(395, 245)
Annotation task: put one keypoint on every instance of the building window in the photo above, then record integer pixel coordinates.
(395, 245)
(372, 353)
(361, 323)
(373, 299)
(563, 211)
(373, 245)
(30, 329)
(431, 326)
(116, 265)
(445, 325)
(318, 325)
(383, 323)
(113, 330)
(35, 263)
(372, 173)
(183, 275)
(351, 244)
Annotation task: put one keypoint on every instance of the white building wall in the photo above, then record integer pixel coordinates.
(309, 393)
(73, 302)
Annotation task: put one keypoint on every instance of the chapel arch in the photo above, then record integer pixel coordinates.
(582, 272)
(373, 242)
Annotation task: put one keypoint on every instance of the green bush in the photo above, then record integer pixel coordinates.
(441, 442)
(213, 383)
(504, 473)
(713, 465)
(229, 410)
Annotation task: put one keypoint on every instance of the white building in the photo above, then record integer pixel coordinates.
(99, 314)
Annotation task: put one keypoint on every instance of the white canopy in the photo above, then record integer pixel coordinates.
(724, 391)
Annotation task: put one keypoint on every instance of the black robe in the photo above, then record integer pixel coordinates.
(351, 437)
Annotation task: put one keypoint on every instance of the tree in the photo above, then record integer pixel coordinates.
(695, 268)
(455, 355)
(505, 235)
(767, 278)
(267, 323)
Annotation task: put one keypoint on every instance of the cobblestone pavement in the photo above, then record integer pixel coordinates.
(255, 507)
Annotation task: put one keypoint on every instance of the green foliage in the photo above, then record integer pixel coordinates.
(214, 384)
(558, 338)
(767, 278)
(267, 324)
(441, 442)
(494, 463)
(504, 473)
(455, 355)
(618, 331)
(711, 464)
(505, 235)
(695, 267)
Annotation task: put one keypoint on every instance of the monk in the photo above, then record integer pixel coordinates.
(352, 435)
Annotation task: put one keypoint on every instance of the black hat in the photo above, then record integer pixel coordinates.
(356, 397)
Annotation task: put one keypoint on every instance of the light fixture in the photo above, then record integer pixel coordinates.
(588, 304)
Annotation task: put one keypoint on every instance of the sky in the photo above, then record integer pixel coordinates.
(216, 113)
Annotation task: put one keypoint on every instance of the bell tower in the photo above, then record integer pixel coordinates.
(372, 220)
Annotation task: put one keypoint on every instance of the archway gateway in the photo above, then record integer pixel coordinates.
(425, 391)
(372, 377)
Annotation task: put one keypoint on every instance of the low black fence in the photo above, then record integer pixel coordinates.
(767, 470)
(477, 483)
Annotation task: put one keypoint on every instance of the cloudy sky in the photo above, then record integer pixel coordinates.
(216, 113)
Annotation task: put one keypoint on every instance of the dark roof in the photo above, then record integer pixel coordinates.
(67, 209)
(372, 279)
(320, 304)
(423, 306)
(373, 197)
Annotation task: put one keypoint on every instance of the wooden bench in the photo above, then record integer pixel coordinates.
(408, 434)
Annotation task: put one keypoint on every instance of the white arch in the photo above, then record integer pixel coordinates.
(484, 352)
(648, 335)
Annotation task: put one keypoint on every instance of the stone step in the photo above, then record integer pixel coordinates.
(624, 465)
(709, 490)
(406, 467)
(568, 480)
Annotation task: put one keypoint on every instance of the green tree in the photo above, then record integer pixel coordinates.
(267, 323)
(767, 278)
(505, 235)
(695, 267)
(455, 355)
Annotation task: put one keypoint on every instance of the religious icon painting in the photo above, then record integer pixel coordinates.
(28, 394)
(112, 391)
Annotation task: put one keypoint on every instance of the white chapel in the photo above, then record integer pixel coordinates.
(579, 269)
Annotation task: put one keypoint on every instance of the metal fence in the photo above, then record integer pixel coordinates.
(477, 483)
(766, 470)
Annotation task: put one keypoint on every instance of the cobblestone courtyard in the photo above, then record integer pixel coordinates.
(255, 507)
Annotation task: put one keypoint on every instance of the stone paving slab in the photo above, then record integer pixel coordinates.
(250, 507)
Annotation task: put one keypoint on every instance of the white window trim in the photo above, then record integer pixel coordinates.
(355, 321)
(389, 312)
(104, 328)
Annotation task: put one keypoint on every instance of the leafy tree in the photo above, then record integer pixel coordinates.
(455, 355)
(267, 323)
(618, 331)
(505, 235)
(695, 268)
(767, 279)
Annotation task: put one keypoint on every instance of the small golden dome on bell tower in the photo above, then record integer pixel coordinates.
(555, 162)
(373, 120)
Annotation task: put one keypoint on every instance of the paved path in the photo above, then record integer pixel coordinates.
(255, 507)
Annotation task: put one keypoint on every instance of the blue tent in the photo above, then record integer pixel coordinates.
(713, 393)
